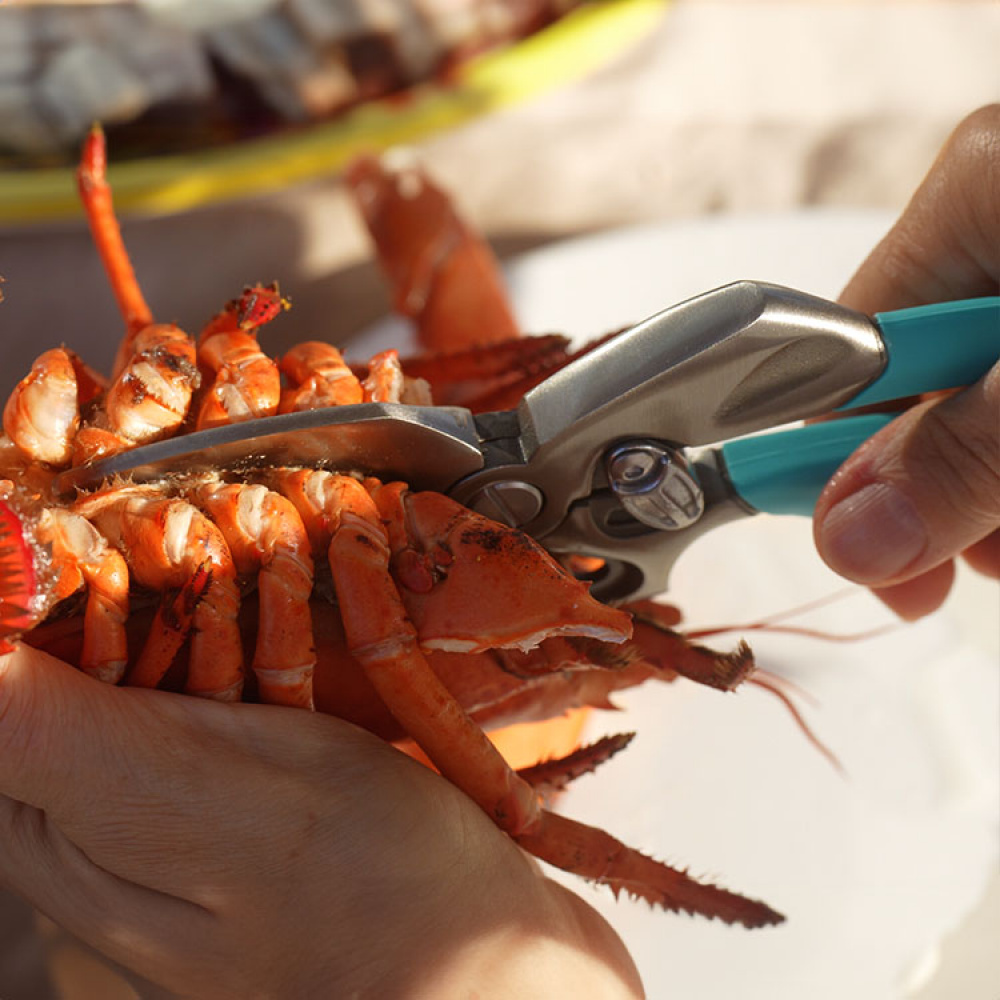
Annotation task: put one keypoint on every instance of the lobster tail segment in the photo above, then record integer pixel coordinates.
(596, 855)
(17, 577)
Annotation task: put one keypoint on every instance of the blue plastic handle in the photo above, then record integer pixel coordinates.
(785, 471)
(933, 347)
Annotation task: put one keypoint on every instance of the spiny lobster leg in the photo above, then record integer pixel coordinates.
(317, 376)
(95, 193)
(443, 274)
(265, 534)
(381, 637)
(82, 557)
(169, 629)
(598, 856)
(244, 382)
(501, 371)
(150, 396)
(384, 383)
(486, 362)
(550, 776)
(169, 540)
(660, 644)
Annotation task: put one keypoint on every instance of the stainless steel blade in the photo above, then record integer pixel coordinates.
(430, 447)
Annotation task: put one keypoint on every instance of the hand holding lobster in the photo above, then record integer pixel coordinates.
(287, 866)
(928, 486)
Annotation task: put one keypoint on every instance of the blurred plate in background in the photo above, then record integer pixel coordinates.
(567, 50)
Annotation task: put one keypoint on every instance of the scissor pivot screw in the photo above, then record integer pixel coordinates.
(511, 502)
(655, 484)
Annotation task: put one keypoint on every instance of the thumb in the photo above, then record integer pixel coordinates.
(919, 492)
(945, 244)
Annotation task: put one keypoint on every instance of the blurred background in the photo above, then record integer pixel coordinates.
(624, 112)
(229, 121)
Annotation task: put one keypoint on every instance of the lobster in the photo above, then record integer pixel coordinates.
(401, 611)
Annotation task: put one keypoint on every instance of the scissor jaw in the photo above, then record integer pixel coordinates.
(428, 446)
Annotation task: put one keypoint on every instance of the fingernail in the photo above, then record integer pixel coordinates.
(873, 534)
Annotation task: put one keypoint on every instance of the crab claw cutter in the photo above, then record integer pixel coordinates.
(635, 449)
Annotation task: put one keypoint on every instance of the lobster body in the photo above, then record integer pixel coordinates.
(404, 612)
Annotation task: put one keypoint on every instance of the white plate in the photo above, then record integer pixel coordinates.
(871, 869)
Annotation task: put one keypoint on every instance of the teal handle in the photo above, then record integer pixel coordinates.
(940, 346)
(784, 472)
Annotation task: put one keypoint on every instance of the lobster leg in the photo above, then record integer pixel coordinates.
(72, 554)
(42, 414)
(170, 541)
(169, 630)
(443, 274)
(95, 194)
(598, 856)
(317, 376)
(550, 776)
(216, 666)
(384, 641)
(486, 363)
(661, 645)
(82, 557)
(503, 371)
(264, 532)
(245, 382)
(384, 383)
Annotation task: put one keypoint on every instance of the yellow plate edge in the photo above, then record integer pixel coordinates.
(559, 54)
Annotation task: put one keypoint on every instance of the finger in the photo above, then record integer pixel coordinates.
(63, 737)
(984, 556)
(945, 244)
(919, 492)
(126, 774)
(921, 595)
(149, 932)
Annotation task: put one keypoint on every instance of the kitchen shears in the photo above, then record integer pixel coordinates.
(635, 449)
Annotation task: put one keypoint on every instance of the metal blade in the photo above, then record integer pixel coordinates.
(429, 447)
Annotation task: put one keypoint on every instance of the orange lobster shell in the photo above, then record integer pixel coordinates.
(403, 612)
